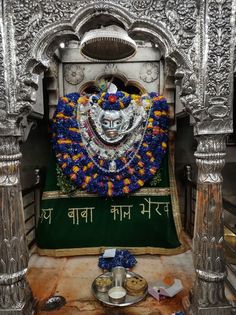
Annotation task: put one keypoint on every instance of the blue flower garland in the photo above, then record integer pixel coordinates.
(75, 162)
(122, 258)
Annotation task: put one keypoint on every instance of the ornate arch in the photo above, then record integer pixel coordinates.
(47, 39)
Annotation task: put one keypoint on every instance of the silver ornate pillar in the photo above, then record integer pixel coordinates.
(208, 296)
(15, 294)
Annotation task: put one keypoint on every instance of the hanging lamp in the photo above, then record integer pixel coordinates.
(107, 43)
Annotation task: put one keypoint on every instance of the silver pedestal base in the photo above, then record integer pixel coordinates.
(26, 309)
(217, 310)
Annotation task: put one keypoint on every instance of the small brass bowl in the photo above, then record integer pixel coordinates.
(103, 283)
(117, 295)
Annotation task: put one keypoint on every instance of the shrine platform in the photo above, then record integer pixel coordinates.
(71, 277)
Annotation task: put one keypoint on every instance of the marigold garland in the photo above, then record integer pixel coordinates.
(75, 162)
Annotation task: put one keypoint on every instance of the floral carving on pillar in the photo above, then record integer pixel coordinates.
(216, 63)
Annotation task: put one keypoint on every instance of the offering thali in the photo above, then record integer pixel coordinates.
(106, 291)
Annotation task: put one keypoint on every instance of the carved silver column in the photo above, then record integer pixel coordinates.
(15, 294)
(208, 296)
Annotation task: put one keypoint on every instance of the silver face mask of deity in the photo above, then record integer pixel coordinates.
(112, 123)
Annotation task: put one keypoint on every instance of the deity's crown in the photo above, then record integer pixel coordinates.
(114, 101)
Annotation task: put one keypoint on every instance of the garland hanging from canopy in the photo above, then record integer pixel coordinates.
(110, 143)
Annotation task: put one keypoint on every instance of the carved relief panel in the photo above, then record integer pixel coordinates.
(146, 71)
(143, 68)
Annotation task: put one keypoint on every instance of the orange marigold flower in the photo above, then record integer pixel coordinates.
(135, 97)
(85, 168)
(110, 185)
(142, 171)
(123, 159)
(71, 104)
(125, 189)
(140, 182)
(75, 157)
(145, 145)
(90, 164)
(131, 170)
(74, 129)
(73, 176)
(65, 99)
(149, 153)
(64, 165)
(127, 181)
(60, 115)
(110, 192)
(122, 105)
(95, 175)
(84, 185)
(157, 113)
(75, 169)
(164, 145)
(153, 170)
(83, 100)
(140, 164)
(64, 141)
(87, 179)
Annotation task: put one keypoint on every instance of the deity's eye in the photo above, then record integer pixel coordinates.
(106, 123)
(117, 122)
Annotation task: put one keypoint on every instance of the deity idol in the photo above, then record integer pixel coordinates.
(117, 142)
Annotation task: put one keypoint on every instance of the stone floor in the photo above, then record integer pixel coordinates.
(72, 277)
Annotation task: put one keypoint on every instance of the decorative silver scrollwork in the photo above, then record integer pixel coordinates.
(142, 5)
